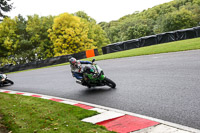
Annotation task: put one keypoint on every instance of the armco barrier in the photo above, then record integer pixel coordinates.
(185, 34)
(130, 44)
(166, 37)
(148, 40)
(153, 40)
(49, 61)
(197, 30)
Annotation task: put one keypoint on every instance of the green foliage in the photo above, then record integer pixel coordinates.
(37, 28)
(137, 31)
(24, 45)
(84, 16)
(113, 31)
(181, 19)
(8, 38)
(95, 33)
(174, 15)
(38, 38)
(69, 35)
(24, 41)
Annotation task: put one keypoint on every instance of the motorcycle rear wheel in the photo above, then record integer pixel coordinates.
(110, 83)
(89, 86)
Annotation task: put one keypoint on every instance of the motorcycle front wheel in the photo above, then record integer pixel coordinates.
(110, 83)
(9, 82)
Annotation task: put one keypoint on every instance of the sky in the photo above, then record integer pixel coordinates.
(100, 10)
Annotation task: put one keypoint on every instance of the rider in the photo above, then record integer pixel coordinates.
(77, 69)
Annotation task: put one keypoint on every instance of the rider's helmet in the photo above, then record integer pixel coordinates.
(73, 61)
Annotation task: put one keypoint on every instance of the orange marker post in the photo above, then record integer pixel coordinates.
(90, 53)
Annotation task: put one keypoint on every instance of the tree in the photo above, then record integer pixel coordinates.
(13, 34)
(21, 55)
(8, 38)
(69, 35)
(5, 6)
(137, 31)
(23, 41)
(19, 46)
(95, 33)
(181, 19)
(84, 16)
(37, 29)
(113, 31)
(174, 15)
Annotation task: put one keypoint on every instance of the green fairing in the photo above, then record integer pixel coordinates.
(102, 77)
(90, 76)
(94, 79)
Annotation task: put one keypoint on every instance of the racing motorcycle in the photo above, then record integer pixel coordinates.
(4, 80)
(94, 76)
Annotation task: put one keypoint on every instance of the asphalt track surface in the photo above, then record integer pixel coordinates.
(163, 86)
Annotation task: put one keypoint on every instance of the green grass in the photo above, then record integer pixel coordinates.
(23, 114)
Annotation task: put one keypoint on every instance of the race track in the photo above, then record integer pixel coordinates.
(164, 86)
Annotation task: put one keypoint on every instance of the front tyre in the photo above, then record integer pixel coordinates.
(9, 82)
(110, 83)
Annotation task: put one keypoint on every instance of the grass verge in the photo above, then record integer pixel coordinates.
(23, 114)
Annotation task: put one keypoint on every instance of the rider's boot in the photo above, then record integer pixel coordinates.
(81, 81)
(78, 81)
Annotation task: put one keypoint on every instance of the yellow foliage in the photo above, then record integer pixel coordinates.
(8, 37)
(69, 35)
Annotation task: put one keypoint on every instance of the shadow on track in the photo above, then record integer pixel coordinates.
(4, 86)
(96, 90)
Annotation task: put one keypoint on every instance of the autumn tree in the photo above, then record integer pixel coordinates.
(9, 40)
(69, 35)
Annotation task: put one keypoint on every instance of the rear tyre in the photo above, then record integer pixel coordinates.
(1, 84)
(88, 86)
(110, 83)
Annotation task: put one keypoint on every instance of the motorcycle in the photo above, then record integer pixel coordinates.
(94, 76)
(4, 80)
